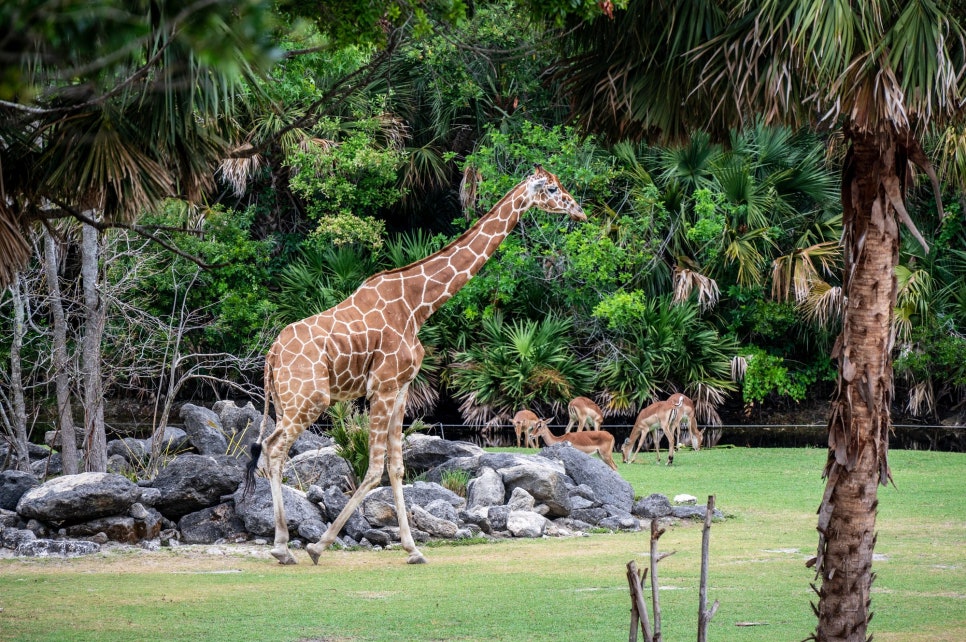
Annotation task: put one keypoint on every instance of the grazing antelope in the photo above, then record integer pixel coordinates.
(589, 441)
(584, 411)
(695, 435)
(523, 424)
(663, 415)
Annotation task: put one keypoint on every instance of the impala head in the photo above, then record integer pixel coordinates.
(626, 449)
(546, 193)
(695, 435)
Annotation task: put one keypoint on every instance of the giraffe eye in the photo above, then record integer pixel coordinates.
(552, 189)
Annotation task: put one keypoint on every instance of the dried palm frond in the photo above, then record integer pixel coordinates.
(707, 398)
(824, 303)
(468, 187)
(794, 274)
(238, 168)
(14, 249)
(394, 129)
(687, 281)
(922, 399)
(739, 365)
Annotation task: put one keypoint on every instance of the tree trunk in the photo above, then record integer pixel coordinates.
(859, 420)
(95, 439)
(65, 419)
(18, 407)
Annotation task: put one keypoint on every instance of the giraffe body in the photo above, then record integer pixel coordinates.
(367, 345)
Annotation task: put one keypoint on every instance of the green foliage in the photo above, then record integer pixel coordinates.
(769, 375)
(653, 345)
(345, 181)
(516, 365)
(456, 480)
(350, 431)
(233, 294)
(938, 355)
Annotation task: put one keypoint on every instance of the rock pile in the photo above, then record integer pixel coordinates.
(197, 497)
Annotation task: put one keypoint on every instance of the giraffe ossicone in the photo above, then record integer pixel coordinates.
(367, 345)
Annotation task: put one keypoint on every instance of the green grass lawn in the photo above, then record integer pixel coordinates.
(551, 589)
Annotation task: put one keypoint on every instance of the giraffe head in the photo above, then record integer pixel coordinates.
(546, 193)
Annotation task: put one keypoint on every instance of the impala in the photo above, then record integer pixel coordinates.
(590, 441)
(663, 415)
(523, 423)
(695, 435)
(584, 411)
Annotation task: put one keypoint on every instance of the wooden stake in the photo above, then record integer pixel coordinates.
(638, 607)
(655, 599)
(704, 615)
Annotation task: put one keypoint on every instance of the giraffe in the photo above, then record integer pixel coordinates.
(367, 345)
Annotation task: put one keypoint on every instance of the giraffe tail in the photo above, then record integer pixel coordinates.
(256, 448)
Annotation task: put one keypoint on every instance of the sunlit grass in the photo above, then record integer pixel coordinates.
(551, 589)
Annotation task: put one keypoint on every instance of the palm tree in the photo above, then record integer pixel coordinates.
(115, 106)
(882, 74)
(523, 364)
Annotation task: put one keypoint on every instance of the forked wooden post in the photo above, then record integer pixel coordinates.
(656, 533)
(705, 615)
(635, 579)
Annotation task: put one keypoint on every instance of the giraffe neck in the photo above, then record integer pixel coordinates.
(432, 281)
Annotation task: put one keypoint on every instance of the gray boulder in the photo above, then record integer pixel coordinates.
(13, 484)
(429, 523)
(79, 498)
(191, 482)
(546, 483)
(486, 489)
(257, 512)
(526, 524)
(127, 529)
(653, 506)
(12, 538)
(241, 423)
(133, 450)
(309, 440)
(204, 429)
(209, 525)
(321, 467)
(49, 466)
(173, 441)
(694, 512)
(424, 452)
(60, 548)
(357, 525)
(608, 486)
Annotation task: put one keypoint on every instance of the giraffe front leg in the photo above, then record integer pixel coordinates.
(396, 470)
(378, 420)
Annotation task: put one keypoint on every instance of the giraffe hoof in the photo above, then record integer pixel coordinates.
(283, 556)
(416, 558)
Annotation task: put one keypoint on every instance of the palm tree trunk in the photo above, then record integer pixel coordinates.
(859, 421)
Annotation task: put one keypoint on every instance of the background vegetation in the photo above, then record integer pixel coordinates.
(711, 268)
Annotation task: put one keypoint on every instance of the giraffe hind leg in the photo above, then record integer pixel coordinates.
(275, 449)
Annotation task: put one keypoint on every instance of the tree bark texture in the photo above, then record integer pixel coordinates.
(18, 407)
(95, 438)
(859, 418)
(65, 418)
